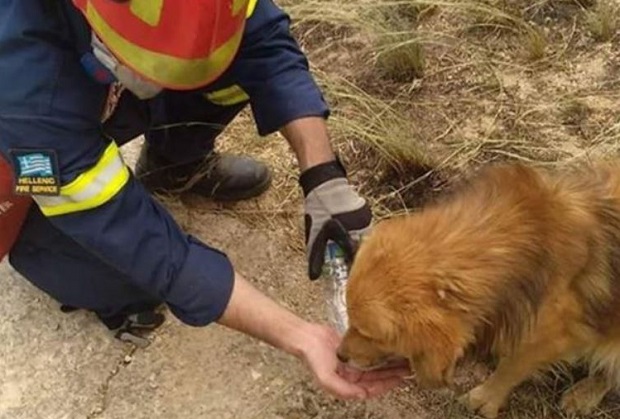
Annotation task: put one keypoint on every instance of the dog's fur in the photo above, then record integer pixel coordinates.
(522, 263)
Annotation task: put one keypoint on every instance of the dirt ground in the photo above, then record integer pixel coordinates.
(66, 366)
(479, 101)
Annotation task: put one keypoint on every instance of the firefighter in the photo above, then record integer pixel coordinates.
(178, 72)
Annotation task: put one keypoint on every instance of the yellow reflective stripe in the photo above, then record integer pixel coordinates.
(229, 96)
(238, 5)
(148, 11)
(251, 7)
(91, 189)
(83, 181)
(164, 69)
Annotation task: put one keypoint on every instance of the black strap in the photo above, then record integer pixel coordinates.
(332, 230)
(321, 173)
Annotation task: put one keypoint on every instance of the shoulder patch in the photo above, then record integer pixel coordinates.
(36, 172)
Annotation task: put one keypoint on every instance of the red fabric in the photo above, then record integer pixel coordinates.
(187, 29)
(13, 209)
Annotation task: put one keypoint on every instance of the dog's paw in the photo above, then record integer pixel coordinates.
(583, 397)
(479, 400)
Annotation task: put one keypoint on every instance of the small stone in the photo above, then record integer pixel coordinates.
(97, 410)
(255, 375)
(128, 359)
(153, 384)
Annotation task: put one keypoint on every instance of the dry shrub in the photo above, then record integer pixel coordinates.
(603, 21)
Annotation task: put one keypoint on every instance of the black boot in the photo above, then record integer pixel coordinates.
(222, 177)
(129, 326)
(134, 328)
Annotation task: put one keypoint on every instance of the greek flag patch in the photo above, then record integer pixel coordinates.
(36, 172)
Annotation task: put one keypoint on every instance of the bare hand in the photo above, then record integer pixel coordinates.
(252, 312)
(345, 382)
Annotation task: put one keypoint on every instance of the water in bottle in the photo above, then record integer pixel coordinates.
(336, 274)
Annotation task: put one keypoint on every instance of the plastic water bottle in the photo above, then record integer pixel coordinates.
(336, 274)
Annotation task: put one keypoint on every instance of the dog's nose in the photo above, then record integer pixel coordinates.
(342, 358)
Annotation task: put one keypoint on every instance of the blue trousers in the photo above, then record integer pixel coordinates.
(59, 266)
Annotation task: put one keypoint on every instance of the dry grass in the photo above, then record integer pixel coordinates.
(422, 90)
(425, 90)
(603, 21)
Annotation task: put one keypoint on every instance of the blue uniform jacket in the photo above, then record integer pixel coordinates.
(48, 101)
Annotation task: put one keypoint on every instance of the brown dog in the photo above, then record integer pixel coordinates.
(521, 263)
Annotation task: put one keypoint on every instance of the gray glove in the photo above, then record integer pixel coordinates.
(333, 211)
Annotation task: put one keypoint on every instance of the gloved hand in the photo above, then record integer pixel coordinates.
(333, 211)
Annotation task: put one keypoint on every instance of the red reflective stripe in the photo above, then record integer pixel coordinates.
(166, 70)
(187, 29)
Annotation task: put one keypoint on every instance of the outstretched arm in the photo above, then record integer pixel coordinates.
(253, 313)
